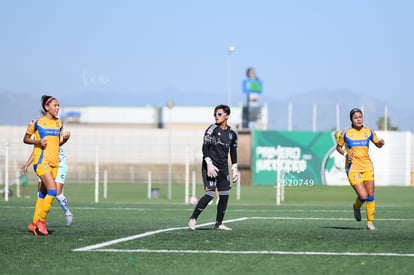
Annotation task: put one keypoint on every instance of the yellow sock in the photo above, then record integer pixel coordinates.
(46, 205)
(370, 211)
(38, 208)
(358, 203)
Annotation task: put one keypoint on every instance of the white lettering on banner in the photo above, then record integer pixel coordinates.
(289, 159)
(266, 152)
(270, 152)
(295, 166)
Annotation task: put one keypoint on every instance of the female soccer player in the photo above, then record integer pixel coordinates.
(47, 132)
(219, 141)
(358, 165)
(60, 181)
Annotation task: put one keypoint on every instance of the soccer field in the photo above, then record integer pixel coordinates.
(312, 232)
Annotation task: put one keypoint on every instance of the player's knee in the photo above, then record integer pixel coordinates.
(52, 192)
(224, 193)
(362, 199)
(211, 193)
(370, 198)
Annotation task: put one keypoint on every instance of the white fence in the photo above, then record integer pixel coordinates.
(128, 153)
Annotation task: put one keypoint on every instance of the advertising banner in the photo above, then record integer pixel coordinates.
(302, 157)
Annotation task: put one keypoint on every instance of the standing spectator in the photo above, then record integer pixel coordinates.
(24, 190)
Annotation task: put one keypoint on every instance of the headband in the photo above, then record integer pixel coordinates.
(48, 101)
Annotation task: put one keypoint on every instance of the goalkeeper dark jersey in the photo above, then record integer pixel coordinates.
(217, 145)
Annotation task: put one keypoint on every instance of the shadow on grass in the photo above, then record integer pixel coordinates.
(343, 227)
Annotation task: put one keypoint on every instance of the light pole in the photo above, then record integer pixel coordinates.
(170, 105)
(230, 50)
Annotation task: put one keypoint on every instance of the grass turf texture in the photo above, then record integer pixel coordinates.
(312, 219)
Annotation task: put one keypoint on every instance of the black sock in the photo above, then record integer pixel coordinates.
(201, 205)
(221, 209)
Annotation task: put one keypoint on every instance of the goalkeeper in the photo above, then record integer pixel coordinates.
(219, 141)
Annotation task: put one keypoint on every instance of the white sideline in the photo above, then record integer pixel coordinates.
(272, 252)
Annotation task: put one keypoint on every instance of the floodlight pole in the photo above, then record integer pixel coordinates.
(230, 50)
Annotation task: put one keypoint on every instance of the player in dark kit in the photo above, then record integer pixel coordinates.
(219, 141)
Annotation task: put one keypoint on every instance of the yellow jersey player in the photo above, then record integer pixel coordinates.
(47, 133)
(60, 181)
(353, 143)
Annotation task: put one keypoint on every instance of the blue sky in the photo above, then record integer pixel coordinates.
(180, 48)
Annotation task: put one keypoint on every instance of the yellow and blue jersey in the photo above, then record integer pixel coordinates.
(357, 143)
(52, 129)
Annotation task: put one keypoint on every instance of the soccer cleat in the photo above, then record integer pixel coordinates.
(222, 227)
(192, 224)
(371, 226)
(69, 220)
(41, 227)
(32, 228)
(357, 213)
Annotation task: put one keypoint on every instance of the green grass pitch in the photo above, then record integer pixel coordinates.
(312, 232)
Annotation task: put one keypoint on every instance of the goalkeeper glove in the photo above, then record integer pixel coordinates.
(235, 172)
(211, 169)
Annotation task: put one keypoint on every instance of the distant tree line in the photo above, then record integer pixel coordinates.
(381, 124)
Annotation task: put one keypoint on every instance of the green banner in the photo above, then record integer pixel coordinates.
(301, 157)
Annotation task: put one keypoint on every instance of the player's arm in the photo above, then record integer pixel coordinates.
(27, 164)
(378, 142)
(233, 149)
(211, 168)
(340, 147)
(27, 139)
(37, 142)
(341, 151)
(65, 138)
(207, 141)
(233, 157)
(205, 147)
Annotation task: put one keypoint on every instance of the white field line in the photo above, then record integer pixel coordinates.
(263, 252)
(96, 246)
(315, 218)
(100, 247)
